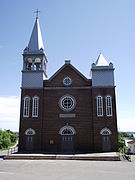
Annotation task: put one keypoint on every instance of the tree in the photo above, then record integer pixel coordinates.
(7, 138)
(121, 142)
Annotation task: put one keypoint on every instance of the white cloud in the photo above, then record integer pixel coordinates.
(9, 112)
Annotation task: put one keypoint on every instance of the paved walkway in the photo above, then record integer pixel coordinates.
(66, 170)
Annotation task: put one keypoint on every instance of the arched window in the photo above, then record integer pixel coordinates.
(35, 106)
(105, 132)
(26, 106)
(108, 105)
(67, 130)
(99, 106)
(30, 132)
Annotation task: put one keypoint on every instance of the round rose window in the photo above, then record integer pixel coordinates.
(67, 103)
(67, 81)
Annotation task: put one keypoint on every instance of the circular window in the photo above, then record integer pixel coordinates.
(67, 103)
(67, 81)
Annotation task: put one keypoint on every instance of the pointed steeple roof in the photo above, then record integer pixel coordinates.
(36, 42)
(101, 61)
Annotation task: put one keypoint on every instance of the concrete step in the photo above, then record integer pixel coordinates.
(89, 157)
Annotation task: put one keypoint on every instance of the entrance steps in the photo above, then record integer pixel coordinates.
(111, 156)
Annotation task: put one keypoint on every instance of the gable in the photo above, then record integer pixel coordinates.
(67, 70)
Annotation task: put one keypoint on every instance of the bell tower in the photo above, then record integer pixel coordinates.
(102, 73)
(34, 60)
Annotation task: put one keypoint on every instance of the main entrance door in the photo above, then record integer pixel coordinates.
(67, 139)
(67, 144)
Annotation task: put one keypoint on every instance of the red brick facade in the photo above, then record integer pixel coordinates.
(83, 118)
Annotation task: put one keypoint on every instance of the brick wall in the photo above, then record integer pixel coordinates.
(83, 117)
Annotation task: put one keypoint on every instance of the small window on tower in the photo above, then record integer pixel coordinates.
(99, 106)
(35, 106)
(26, 107)
(108, 105)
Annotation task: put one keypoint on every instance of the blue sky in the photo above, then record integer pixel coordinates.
(72, 29)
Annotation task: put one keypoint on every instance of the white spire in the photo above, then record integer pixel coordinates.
(101, 61)
(36, 42)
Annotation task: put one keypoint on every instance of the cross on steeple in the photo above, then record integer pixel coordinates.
(37, 12)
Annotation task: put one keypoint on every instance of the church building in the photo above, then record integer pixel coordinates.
(66, 113)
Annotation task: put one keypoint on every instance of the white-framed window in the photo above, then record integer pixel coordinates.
(67, 130)
(67, 103)
(26, 106)
(67, 81)
(35, 106)
(108, 105)
(99, 106)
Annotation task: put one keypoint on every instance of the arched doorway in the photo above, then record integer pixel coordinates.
(67, 139)
(106, 141)
(29, 133)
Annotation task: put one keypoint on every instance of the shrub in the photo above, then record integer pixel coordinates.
(7, 138)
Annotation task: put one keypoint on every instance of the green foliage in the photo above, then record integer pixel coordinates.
(7, 138)
(124, 134)
(121, 142)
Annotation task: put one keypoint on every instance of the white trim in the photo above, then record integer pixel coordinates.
(67, 127)
(104, 130)
(26, 97)
(26, 107)
(35, 107)
(108, 106)
(99, 107)
(30, 132)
